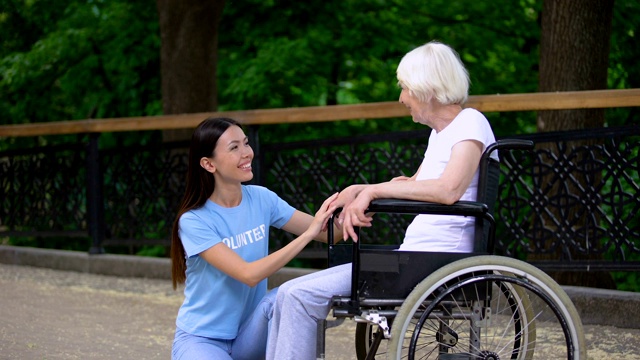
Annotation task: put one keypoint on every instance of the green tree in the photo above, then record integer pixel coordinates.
(287, 53)
(75, 59)
(189, 57)
(78, 60)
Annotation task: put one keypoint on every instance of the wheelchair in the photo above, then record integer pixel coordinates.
(453, 306)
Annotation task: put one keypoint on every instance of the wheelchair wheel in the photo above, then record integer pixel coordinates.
(520, 305)
(369, 338)
(365, 335)
(487, 307)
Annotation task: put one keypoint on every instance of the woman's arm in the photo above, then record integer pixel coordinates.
(406, 178)
(251, 273)
(449, 188)
(300, 221)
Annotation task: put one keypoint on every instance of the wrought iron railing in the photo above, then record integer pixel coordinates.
(574, 204)
(570, 204)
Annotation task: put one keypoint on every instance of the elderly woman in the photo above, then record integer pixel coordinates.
(434, 85)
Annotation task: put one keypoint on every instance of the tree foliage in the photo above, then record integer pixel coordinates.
(78, 59)
(319, 53)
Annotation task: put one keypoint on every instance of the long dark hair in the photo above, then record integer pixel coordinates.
(200, 186)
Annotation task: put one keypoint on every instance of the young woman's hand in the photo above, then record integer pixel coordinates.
(322, 216)
(346, 197)
(353, 215)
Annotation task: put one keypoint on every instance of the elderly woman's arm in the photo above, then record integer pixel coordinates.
(449, 188)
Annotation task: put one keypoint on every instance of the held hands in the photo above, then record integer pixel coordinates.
(322, 216)
(354, 202)
(344, 198)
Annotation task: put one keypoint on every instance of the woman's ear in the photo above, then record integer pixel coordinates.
(207, 164)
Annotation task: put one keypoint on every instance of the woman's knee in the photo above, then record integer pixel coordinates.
(187, 346)
(271, 295)
(311, 289)
(268, 303)
(289, 289)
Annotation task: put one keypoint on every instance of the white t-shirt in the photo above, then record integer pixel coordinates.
(445, 232)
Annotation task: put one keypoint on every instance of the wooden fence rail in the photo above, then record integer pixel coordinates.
(484, 103)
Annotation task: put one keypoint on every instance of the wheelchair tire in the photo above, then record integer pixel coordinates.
(522, 314)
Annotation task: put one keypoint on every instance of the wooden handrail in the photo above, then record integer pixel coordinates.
(484, 103)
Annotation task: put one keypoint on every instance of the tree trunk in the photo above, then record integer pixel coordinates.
(574, 53)
(188, 57)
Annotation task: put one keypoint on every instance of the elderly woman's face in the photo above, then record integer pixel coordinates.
(411, 102)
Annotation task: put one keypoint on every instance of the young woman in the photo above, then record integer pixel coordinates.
(220, 247)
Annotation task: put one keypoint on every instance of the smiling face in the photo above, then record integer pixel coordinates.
(231, 160)
(419, 111)
(410, 101)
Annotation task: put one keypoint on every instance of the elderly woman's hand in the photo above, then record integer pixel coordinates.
(353, 215)
(345, 197)
(401, 178)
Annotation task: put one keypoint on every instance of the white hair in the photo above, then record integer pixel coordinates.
(434, 70)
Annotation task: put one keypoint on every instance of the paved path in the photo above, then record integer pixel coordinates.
(51, 314)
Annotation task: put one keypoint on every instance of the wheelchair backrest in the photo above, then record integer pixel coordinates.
(488, 181)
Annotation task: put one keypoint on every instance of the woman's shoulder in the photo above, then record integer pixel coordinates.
(255, 189)
(195, 214)
(473, 119)
(258, 191)
(472, 113)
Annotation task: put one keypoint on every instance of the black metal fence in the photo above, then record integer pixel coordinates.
(570, 204)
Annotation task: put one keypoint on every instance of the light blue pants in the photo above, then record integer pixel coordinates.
(250, 344)
(300, 302)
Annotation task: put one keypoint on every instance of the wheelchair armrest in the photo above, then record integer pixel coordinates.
(400, 206)
(462, 208)
(510, 144)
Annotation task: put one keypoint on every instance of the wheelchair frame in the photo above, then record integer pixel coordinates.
(398, 293)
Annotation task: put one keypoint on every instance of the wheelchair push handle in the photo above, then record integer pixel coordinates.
(510, 144)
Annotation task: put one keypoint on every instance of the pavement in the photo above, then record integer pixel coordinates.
(66, 305)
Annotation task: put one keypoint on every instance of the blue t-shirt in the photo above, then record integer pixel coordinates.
(215, 304)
